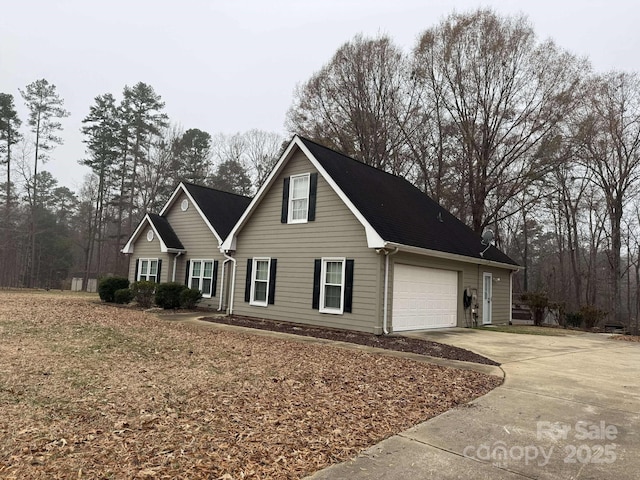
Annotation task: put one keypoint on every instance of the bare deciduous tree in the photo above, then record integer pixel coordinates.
(505, 94)
(608, 144)
(357, 104)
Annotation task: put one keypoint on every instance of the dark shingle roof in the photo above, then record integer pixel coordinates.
(398, 211)
(165, 231)
(222, 209)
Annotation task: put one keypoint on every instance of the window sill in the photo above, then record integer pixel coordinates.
(258, 304)
(332, 311)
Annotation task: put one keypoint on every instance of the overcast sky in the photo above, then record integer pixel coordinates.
(230, 66)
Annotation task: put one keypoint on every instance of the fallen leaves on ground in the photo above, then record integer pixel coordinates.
(388, 342)
(92, 391)
(626, 338)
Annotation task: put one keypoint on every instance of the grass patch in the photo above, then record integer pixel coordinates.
(530, 330)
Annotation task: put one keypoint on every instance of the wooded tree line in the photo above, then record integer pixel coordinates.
(136, 157)
(506, 131)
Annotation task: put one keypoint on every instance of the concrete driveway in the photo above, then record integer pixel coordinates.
(569, 408)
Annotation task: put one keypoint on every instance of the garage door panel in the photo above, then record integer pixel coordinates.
(424, 298)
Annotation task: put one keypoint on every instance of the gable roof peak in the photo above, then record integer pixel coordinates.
(169, 241)
(219, 210)
(392, 210)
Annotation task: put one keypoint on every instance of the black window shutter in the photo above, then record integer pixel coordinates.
(313, 187)
(214, 281)
(247, 282)
(285, 200)
(317, 268)
(186, 274)
(135, 275)
(159, 271)
(348, 286)
(272, 282)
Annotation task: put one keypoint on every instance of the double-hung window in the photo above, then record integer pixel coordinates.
(299, 198)
(148, 269)
(260, 281)
(332, 285)
(201, 276)
(299, 194)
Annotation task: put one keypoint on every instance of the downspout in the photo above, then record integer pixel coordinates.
(385, 314)
(222, 283)
(233, 281)
(175, 264)
(511, 274)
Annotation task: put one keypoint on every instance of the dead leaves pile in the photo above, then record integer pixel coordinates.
(93, 391)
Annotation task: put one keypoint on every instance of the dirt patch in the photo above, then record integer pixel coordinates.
(91, 391)
(389, 342)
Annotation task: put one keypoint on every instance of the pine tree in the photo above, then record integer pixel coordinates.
(45, 109)
(101, 129)
(9, 135)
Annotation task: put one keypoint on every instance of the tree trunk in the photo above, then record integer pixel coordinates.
(615, 214)
(34, 208)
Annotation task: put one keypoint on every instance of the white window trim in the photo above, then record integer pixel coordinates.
(291, 199)
(201, 277)
(254, 270)
(149, 260)
(323, 276)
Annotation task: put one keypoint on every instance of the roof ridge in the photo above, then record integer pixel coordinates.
(424, 224)
(360, 162)
(214, 189)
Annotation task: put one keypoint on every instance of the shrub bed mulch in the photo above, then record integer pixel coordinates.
(389, 342)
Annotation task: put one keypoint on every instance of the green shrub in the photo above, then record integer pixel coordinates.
(168, 294)
(143, 292)
(123, 296)
(108, 286)
(592, 316)
(573, 319)
(189, 297)
(538, 303)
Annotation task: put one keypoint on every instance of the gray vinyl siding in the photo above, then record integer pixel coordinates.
(199, 242)
(145, 249)
(334, 233)
(501, 301)
(469, 276)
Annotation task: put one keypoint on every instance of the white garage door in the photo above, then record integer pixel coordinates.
(424, 298)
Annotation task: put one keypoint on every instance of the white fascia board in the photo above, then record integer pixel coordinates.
(230, 242)
(374, 240)
(451, 256)
(174, 196)
(128, 248)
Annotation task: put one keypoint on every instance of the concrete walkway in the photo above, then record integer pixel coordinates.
(569, 409)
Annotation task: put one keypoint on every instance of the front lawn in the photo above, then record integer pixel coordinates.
(93, 391)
